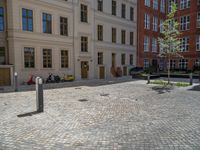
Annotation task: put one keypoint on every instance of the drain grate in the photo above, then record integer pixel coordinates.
(104, 94)
(82, 100)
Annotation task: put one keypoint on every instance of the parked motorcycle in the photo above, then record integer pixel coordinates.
(53, 78)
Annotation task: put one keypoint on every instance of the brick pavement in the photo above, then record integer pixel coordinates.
(123, 116)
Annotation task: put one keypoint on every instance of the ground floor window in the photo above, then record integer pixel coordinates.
(183, 64)
(197, 62)
(2, 55)
(131, 59)
(172, 64)
(123, 59)
(29, 57)
(100, 58)
(47, 58)
(146, 63)
(64, 59)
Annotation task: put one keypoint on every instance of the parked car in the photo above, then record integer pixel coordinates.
(135, 71)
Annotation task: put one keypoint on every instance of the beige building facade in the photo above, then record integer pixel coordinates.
(89, 39)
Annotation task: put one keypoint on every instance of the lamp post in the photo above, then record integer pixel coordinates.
(16, 81)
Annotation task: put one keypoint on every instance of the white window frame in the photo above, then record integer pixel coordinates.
(146, 21)
(198, 19)
(146, 43)
(184, 4)
(198, 43)
(184, 44)
(161, 25)
(162, 6)
(147, 3)
(185, 23)
(183, 64)
(155, 23)
(154, 45)
(146, 63)
(155, 4)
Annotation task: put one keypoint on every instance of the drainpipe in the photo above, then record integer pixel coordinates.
(73, 34)
(6, 33)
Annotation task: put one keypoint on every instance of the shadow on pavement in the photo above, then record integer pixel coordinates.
(28, 114)
(163, 89)
(90, 83)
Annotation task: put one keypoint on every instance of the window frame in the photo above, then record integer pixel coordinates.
(2, 21)
(29, 57)
(47, 19)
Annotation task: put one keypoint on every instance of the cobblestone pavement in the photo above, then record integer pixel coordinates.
(123, 116)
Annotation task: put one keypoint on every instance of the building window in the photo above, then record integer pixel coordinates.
(146, 21)
(155, 23)
(100, 5)
(161, 26)
(1, 19)
(114, 7)
(131, 59)
(2, 55)
(100, 58)
(27, 19)
(123, 11)
(84, 44)
(147, 3)
(146, 63)
(64, 59)
(185, 23)
(123, 59)
(172, 64)
(47, 58)
(146, 43)
(47, 23)
(184, 44)
(131, 38)
(63, 26)
(155, 4)
(154, 45)
(131, 13)
(84, 13)
(123, 36)
(198, 2)
(170, 4)
(29, 57)
(100, 32)
(184, 4)
(183, 64)
(162, 6)
(114, 35)
(198, 43)
(198, 20)
(197, 62)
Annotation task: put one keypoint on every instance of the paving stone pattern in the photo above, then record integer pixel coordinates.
(123, 116)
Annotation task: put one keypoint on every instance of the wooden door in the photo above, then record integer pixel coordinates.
(84, 69)
(5, 76)
(124, 71)
(102, 72)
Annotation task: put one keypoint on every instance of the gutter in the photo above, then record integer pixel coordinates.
(6, 33)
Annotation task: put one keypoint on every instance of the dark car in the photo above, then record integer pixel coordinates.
(135, 71)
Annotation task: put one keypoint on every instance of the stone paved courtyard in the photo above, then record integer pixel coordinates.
(122, 116)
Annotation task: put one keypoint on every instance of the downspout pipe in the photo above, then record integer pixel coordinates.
(6, 32)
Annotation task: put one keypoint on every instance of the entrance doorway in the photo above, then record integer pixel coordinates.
(124, 71)
(102, 72)
(84, 69)
(5, 77)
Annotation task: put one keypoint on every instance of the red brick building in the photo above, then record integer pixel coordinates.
(151, 13)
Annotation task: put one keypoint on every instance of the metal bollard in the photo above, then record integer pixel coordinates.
(16, 81)
(39, 95)
(148, 79)
(191, 79)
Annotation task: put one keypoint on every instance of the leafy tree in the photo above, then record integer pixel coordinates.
(169, 41)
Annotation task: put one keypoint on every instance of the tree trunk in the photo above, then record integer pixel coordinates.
(169, 69)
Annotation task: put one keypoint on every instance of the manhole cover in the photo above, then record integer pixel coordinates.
(104, 94)
(82, 100)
